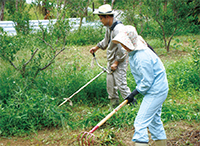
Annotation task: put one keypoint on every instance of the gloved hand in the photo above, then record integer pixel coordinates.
(131, 98)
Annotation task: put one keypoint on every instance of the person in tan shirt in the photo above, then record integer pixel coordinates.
(117, 56)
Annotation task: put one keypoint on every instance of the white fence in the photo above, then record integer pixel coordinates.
(8, 26)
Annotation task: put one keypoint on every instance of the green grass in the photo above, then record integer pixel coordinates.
(30, 107)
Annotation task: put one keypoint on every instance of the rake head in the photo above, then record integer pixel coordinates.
(86, 138)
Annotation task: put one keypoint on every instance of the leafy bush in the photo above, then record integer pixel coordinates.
(177, 112)
(150, 30)
(87, 36)
(185, 74)
(28, 112)
(196, 58)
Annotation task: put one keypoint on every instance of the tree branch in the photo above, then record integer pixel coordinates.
(13, 64)
(46, 43)
(163, 33)
(52, 59)
(112, 3)
(40, 69)
(39, 23)
(25, 64)
(58, 9)
(65, 2)
(171, 39)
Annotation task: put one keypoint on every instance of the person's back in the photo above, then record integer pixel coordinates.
(150, 76)
(154, 79)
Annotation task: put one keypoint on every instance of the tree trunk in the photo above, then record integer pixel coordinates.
(80, 24)
(44, 9)
(58, 7)
(112, 3)
(140, 11)
(164, 38)
(171, 39)
(165, 9)
(65, 2)
(16, 5)
(2, 9)
(82, 16)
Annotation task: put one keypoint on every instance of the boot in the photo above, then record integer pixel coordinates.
(141, 144)
(162, 142)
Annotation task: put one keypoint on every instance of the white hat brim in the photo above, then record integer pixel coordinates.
(122, 38)
(103, 13)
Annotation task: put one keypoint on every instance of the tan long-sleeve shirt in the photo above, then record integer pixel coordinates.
(115, 52)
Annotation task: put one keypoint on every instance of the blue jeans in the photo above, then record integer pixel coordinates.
(149, 115)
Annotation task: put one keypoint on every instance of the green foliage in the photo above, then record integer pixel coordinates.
(28, 106)
(8, 80)
(149, 30)
(160, 19)
(39, 49)
(21, 21)
(196, 58)
(172, 16)
(25, 113)
(185, 74)
(19, 14)
(11, 45)
(26, 109)
(87, 35)
(177, 112)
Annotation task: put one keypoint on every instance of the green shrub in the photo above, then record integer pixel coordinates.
(177, 112)
(66, 81)
(28, 112)
(183, 75)
(87, 36)
(196, 58)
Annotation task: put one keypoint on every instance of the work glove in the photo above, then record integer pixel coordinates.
(131, 98)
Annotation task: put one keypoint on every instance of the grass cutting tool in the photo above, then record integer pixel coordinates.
(86, 138)
(104, 70)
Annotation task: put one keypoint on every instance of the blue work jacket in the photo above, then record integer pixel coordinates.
(148, 71)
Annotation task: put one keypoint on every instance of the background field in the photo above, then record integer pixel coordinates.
(71, 70)
(38, 70)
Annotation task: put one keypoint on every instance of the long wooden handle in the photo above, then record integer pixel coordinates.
(109, 115)
(81, 88)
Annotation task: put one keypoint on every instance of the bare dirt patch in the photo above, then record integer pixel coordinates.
(178, 133)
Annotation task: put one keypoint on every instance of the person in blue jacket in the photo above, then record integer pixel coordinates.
(151, 79)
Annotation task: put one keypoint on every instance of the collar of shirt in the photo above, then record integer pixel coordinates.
(132, 53)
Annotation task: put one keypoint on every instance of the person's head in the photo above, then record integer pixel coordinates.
(129, 39)
(105, 14)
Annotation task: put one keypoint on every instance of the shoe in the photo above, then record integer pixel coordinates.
(162, 142)
(141, 144)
